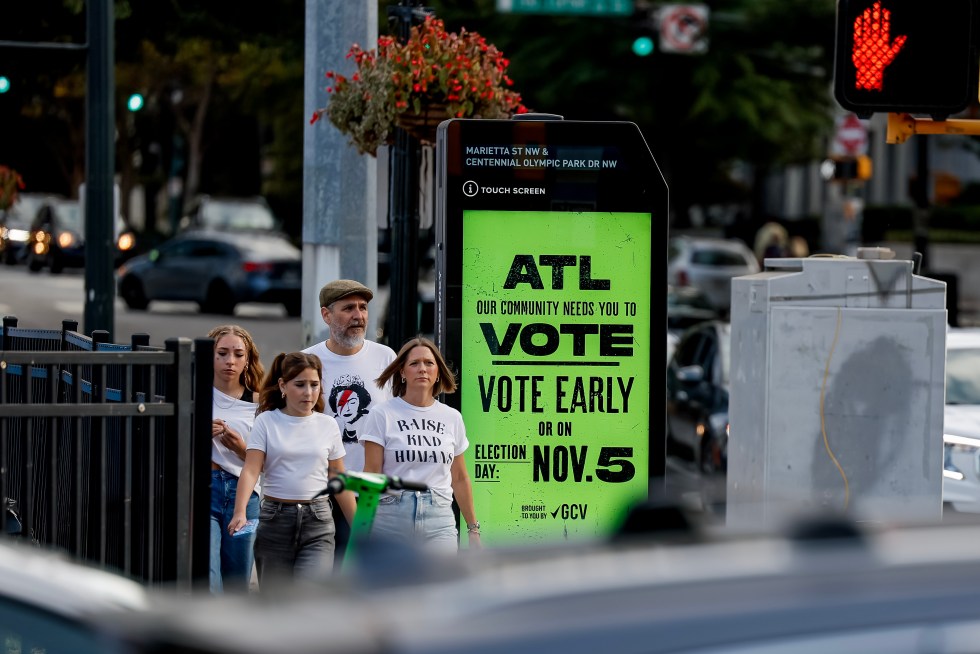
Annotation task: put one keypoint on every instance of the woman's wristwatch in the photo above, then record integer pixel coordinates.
(473, 527)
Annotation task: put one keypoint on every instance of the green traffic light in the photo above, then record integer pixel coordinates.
(642, 46)
(4, 84)
(135, 102)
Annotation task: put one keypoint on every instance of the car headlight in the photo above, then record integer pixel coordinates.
(65, 239)
(40, 244)
(20, 235)
(960, 445)
(719, 423)
(126, 242)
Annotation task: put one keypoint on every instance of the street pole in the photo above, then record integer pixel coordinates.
(920, 195)
(340, 185)
(403, 200)
(99, 168)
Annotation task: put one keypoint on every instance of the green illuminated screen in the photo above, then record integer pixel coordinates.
(555, 370)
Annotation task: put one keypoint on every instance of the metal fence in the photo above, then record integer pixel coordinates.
(104, 449)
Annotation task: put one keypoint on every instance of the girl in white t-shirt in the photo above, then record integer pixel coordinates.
(237, 373)
(298, 449)
(417, 438)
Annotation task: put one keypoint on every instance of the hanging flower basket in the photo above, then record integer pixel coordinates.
(422, 126)
(416, 85)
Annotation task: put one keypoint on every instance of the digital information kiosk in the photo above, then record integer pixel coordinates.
(551, 296)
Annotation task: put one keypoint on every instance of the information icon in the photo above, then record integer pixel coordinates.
(470, 188)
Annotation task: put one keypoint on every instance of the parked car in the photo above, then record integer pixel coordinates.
(229, 214)
(697, 395)
(961, 421)
(15, 225)
(709, 265)
(218, 270)
(686, 307)
(57, 237)
(51, 604)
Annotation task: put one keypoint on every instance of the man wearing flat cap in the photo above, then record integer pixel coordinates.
(351, 363)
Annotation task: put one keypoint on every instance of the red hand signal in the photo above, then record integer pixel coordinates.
(872, 51)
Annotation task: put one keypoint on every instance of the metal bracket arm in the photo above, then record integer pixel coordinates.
(902, 126)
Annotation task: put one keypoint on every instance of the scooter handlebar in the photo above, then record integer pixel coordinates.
(334, 486)
(339, 484)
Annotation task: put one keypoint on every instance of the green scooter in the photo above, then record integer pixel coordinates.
(369, 487)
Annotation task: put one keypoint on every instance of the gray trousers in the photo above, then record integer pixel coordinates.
(294, 541)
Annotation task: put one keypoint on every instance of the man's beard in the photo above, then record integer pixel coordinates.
(346, 341)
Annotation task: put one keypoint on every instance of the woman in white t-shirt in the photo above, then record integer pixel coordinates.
(237, 373)
(417, 438)
(298, 449)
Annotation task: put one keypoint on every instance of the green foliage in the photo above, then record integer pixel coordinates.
(760, 94)
(955, 224)
(10, 184)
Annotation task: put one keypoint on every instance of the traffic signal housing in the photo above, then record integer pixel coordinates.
(848, 169)
(906, 56)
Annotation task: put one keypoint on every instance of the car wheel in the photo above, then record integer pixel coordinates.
(56, 265)
(294, 308)
(133, 295)
(34, 264)
(219, 300)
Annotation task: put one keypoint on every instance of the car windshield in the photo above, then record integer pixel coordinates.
(687, 298)
(69, 215)
(22, 213)
(237, 215)
(963, 376)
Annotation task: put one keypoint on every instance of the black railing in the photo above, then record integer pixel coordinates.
(104, 449)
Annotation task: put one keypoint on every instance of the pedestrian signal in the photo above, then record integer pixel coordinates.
(906, 56)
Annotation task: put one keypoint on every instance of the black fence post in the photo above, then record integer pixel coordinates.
(179, 389)
(9, 322)
(201, 459)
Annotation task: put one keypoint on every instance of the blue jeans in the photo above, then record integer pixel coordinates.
(231, 556)
(415, 517)
(294, 540)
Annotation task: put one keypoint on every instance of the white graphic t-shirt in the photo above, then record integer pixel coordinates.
(298, 451)
(420, 442)
(349, 391)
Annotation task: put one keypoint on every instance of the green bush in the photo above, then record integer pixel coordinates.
(956, 224)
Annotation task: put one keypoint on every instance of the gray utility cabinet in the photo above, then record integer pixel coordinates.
(837, 391)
